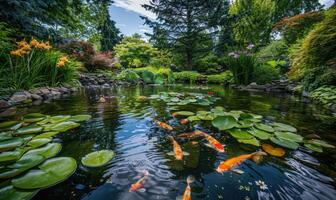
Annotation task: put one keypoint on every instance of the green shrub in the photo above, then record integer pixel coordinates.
(223, 78)
(325, 95)
(188, 76)
(35, 64)
(129, 76)
(164, 71)
(209, 64)
(276, 50)
(147, 76)
(318, 77)
(265, 73)
(6, 43)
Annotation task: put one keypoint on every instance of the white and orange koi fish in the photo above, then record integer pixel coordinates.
(213, 143)
(140, 183)
(177, 150)
(164, 125)
(187, 192)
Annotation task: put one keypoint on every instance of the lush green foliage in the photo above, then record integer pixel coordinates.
(5, 41)
(318, 77)
(325, 95)
(210, 64)
(188, 76)
(34, 64)
(129, 75)
(265, 73)
(222, 78)
(153, 74)
(276, 50)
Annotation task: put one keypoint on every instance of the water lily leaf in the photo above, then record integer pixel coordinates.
(193, 118)
(8, 124)
(285, 143)
(29, 130)
(183, 113)
(50, 173)
(64, 126)
(252, 141)
(320, 143)
(264, 127)
(246, 116)
(22, 165)
(46, 135)
(245, 124)
(284, 127)
(80, 118)
(263, 135)
(314, 147)
(26, 138)
(58, 119)
(224, 122)
(207, 117)
(11, 155)
(11, 144)
(39, 142)
(33, 117)
(240, 134)
(289, 136)
(97, 158)
(48, 151)
(10, 193)
(5, 136)
(279, 152)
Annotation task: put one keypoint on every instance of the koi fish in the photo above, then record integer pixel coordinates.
(187, 192)
(191, 135)
(164, 125)
(233, 162)
(213, 143)
(184, 121)
(140, 183)
(177, 150)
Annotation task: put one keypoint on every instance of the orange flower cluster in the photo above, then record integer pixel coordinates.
(24, 48)
(61, 62)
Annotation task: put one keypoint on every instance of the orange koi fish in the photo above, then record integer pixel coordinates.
(140, 183)
(191, 135)
(233, 162)
(184, 121)
(213, 143)
(177, 150)
(187, 192)
(164, 125)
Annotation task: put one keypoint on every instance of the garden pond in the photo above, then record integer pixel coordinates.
(134, 124)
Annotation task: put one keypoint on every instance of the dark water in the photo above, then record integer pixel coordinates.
(126, 126)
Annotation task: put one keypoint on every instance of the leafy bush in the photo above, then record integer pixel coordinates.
(265, 73)
(129, 76)
(188, 76)
(35, 64)
(209, 64)
(316, 50)
(5, 41)
(101, 61)
(325, 95)
(318, 77)
(223, 78)
(276, 50)
(149, 74)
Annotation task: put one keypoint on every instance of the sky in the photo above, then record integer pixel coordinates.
(126, 14)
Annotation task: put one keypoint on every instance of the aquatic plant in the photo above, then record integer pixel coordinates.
(97, 158)
(27, 154)
(222, 78)
(173, 98)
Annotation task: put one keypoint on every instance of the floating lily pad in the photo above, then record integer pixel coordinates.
(245, 116)
(252, 141)
(274, 151)
(27, 138)
(80, 118)
(8, 124)
(48, 151)
(11, 155)
(10, 193)
(263, 135)
(97, 158)
(29, 130)
(314, 147)
(264, 127)
(50, 173)
(59, 118)
(240, 134)
(33, 117)
(183, 113)
(64, 126)
(193, 118)
(5, 136)
(284, 127)
(10, 144)
(320, 143)
(46, 135)
(245, 124)
(22, 165)
(289, 136)
(224, 122)
(285, 143)
(39, 142)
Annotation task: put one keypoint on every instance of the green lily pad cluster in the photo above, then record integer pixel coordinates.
(27, 154)
(249, 128)
(180, 99)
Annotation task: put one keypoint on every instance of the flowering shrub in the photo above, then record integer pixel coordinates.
(35, 64)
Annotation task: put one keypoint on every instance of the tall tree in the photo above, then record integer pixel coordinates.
(188, 23)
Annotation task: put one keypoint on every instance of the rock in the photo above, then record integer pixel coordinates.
(44, 91)
(36, 97)
(9, 112)
(73, 89)
(63, 90)
(253, 84)
(4, 104)
(106, 85)
(55, 94)
(19, 97)
(305, 94)
(37, 102)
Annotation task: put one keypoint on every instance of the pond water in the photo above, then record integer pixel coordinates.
(126, 126)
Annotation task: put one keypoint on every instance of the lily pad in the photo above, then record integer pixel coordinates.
(64, 126)
(252, 141)
(240, 134)
(264, 127)
(39, 142)
(284, 127)
(29, 130)
(183, 113)
(80, 118)
(5, 136)
(263, 135)
(289, 136)
(10, 193)
(314, 147)
(285, 143)
(46, 135)
(193, 118)
(97, 158)
(59, 118)
(33, 117)
(8, 124)
(11, 155)
(320, 143)
(224, 122)
(274, 151)
(10, 144)
(245, 124)
(27, 138)
(245, 116)
(50, 173)
(48, 151)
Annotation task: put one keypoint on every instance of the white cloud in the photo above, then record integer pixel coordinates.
(135, 6)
